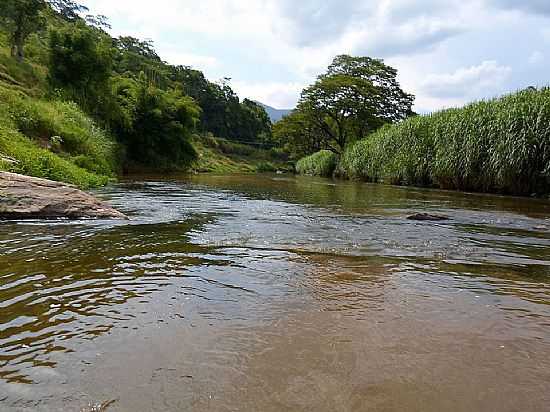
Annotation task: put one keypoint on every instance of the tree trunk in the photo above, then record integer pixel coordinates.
(18, 39)
(19, 45)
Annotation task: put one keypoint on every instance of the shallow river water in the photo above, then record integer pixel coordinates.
(274, 293)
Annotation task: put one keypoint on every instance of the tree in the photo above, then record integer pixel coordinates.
(21, 18)
(222, 112)
(298, 135)
(68, 9)
(80, 65)
(356, 96)
(256, 124)
(159, 124)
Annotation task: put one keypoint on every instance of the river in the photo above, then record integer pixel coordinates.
(275, 293)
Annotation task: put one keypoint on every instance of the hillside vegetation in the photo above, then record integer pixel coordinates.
(49, 138)
(223, 156)
(80, 106)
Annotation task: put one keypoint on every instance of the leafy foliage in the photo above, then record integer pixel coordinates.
(298, 135)
(222, 113)
(158, 126)
(322, 163)
(500, 145)
(67, 9)
(54, 139)
(21, 18)
(80, 66)
(356, 96)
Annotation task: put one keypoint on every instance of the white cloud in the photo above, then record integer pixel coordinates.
(273, 48)
(278, 95)
(468, 82)
(197, 61)
(536, 57)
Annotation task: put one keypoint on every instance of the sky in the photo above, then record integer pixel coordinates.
(447, 52)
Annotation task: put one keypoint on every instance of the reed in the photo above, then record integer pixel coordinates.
(500, 145)
(322, 163)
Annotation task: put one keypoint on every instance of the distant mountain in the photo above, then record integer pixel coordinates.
(275, 114)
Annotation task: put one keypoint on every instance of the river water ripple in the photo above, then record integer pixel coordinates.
(273, 293)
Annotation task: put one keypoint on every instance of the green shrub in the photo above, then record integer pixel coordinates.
(238, 149)
(322, 163)
(500, 145)
(265, 167)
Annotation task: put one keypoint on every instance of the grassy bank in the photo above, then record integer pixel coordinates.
(54, 140)
(322, 164)
(48, 138)
(501, 145)
(222, 156)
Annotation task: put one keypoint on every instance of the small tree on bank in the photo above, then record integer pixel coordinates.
(21, 18)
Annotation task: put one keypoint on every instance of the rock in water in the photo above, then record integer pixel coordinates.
(427, 217)
(25, 197)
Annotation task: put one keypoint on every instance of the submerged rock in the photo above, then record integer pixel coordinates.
(25, 197)
(427, 217)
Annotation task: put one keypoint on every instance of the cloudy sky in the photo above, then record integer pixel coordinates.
(448, 52)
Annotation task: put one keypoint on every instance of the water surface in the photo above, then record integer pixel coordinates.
(275, 293)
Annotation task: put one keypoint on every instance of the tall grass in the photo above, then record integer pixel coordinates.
(322, 163)
(501, 145)
(28, 159)
(54, 139)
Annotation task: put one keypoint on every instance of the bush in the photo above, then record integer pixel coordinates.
(160, 130)
(501, 145)
(322, 163)
(265, 167)
(233, 148)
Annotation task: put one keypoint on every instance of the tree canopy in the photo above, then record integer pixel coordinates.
(81, 65)
(146, 102)
(21, 18)
(356, 96)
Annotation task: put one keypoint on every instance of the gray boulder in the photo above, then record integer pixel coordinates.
(25, 197)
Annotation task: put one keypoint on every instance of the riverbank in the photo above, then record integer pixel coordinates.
(495, 146)
(222, 156)
(54, 140)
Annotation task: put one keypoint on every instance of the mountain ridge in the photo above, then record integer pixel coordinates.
(274, 114)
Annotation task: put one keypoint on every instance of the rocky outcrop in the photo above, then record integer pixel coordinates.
(24, 197)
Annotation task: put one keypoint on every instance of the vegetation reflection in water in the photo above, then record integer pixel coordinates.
(221, 287)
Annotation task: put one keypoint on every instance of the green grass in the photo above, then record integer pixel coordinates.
(27, 77)
(221, 156)
(501, 145)
(55, 140)
(34, 161)
(48, 138)
(322, 163)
